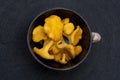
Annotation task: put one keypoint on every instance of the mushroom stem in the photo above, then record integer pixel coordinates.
(43, 52)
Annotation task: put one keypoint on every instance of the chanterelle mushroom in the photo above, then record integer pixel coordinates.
(43, 52)
(65, 20)
(38, 34)
(68, 47)
(63, 59)
(78, 50)
(68, 28)
(53, 27)
(75, 36)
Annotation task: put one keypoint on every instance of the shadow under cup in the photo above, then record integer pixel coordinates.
(85, 42)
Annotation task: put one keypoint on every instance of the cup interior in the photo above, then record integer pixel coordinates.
(85, 42)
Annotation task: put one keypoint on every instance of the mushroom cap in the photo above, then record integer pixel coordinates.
(38, 34)
(53, 27)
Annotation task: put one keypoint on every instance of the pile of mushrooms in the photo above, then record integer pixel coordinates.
(55, 46)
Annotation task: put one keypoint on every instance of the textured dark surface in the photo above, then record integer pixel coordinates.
(16, 62)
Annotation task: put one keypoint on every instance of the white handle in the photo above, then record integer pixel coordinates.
(96, 37)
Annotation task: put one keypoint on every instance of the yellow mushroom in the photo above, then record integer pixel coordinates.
(68, 28)
(43, 52)
(53, 27)
(38, 34)
(75, 36)
(78, 50)
(68, 47)
(65, 20)
(67, 54)
(63, 59)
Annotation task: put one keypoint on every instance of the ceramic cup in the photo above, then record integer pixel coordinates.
(88, 38)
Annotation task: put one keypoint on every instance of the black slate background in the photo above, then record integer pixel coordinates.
(16, 62)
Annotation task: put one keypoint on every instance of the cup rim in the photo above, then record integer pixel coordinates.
(53, 68)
